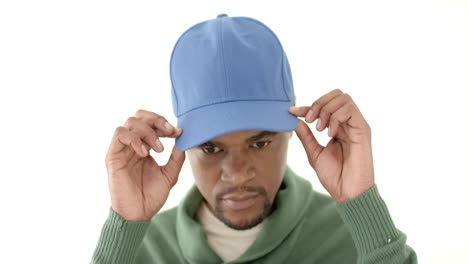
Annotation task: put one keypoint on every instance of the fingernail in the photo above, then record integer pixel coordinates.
(168, 126)
(159, 145)
(329, 131)
(178, 130)
(293, 108)
(144, 151)
(319, 124)
(308, 117)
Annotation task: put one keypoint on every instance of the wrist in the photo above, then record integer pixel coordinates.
(369, 221)
(354, 193)
(131, 215)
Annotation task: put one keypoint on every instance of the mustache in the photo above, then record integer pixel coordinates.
(237, 189)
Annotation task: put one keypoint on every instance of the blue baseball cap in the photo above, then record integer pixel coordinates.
(230, 74)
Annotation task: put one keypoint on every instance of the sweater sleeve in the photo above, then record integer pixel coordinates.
(375, 236)
(119, 240)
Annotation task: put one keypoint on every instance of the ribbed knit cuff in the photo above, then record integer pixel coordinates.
(369, 221)
(119, 240)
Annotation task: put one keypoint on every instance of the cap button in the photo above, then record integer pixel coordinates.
(221, 15)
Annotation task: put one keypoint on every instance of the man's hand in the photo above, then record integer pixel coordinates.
(344, 166)
(138, 186)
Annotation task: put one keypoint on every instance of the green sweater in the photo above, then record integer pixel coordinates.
(305, 227)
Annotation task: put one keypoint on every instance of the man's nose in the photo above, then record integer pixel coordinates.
(237, 168)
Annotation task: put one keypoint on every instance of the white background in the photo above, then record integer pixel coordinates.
(72, 71)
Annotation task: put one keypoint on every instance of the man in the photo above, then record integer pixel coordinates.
(233, 96)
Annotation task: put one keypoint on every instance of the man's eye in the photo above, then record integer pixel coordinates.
(261, 144)
(211, 150)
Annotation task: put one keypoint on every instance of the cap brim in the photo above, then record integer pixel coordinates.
(206, 123)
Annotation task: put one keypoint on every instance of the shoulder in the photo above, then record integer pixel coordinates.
(331, 235)
(160, 241)
(164, 222)
(321, 227)
(165, 216)
(318, 205)
(323, 212)
(162, 229)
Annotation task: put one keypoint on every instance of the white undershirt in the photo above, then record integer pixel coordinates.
(228, 243)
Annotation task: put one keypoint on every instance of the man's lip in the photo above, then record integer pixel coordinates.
(239, 196)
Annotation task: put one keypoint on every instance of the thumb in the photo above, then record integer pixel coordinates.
(174, 164)
(309, 142)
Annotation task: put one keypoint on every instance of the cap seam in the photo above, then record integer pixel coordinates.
(223, 61)
(282, 51)
(171, 59)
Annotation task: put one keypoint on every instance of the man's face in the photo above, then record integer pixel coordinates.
(239, 174)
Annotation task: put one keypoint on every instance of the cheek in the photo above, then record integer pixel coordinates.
(273, 159)
(206, 174)
(270, 167)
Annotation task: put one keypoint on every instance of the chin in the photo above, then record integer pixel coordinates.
(241, 216)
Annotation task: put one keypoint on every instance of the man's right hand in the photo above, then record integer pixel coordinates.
(138, 186)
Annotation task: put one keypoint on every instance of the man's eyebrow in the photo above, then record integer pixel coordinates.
(207, 144)
(261, 135)
(250, 139)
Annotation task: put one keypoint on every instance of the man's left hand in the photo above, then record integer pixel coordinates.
(344, 166)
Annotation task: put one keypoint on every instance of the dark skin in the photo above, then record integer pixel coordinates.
(246, 163)
(139, 186)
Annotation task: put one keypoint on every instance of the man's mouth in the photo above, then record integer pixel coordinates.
(239, 201)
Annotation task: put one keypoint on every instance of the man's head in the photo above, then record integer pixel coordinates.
(231, 83)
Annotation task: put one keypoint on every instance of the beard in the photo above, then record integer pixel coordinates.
(244, 224)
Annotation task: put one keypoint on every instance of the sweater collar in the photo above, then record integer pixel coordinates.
(291, 204)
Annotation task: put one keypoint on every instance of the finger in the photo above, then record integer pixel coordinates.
(162, 127)
(319, 103)
(311, 146)
(347, 115)
(146, 133)
(122, 139)
(333, 127)
(174, 164)
(329, 108)
(299, 111)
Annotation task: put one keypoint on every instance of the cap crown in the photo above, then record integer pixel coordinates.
(228, 59)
